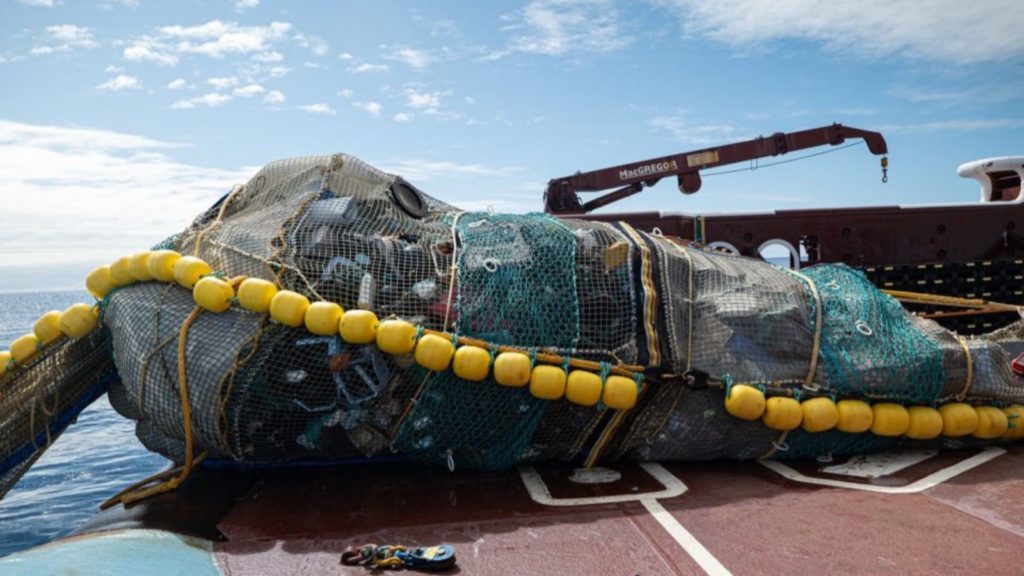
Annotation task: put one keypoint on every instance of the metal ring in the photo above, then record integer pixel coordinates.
(780, 447)
(491, 265)
(863, 328)
(832, 284)
(451, 460)
(656, 232)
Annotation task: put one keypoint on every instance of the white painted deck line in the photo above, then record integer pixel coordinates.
(539, 490)
(705, 559)
(921, 485)
(879, 464)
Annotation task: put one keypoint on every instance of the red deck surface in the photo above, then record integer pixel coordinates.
(748, 518)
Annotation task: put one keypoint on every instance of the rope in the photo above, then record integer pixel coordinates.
(939, 300)
(453, 271)
(216, 221)
(136, 492)
(777, 446)
(970, 369)
(816, 348)
(758, 165)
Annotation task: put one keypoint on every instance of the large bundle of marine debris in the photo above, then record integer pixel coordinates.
(630, 344)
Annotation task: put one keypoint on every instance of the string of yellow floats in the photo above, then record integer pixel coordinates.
(615, 386)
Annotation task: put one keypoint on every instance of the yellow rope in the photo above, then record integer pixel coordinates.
(216, 221)
(816, 348)
(135, 493)
(970, 369)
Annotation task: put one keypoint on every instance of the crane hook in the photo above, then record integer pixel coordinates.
(885, 169)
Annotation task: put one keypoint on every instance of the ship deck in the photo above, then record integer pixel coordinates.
(956, 512)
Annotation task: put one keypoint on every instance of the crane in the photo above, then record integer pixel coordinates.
(562, 195)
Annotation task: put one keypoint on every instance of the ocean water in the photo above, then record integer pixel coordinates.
(95, 458)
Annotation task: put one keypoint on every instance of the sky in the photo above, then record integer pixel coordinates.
(120, 120)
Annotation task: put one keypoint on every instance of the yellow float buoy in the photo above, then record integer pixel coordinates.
(79, 320)
(396, 337)
(160, 264)
(891, 419)
(323, 318)
(583, 388)
(1014, 421)
(512, 369)
(138, 266)
(992, 423)
(855, 416)
(471, 363)
(820, 414)
(358, 326)
(434, 352)
(119, 273)
(958, 419)
(782, 413)
(547, 382)
(744, 402)
(189, 269)
(24, 348)
(255, 294)
(620, 393)
(47, 327)
(213, 294)
(5, 359)
(925, 423)
(99, 283)
(288, 308)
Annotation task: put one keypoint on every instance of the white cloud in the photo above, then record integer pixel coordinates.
(371, 108)
(556, 27)
(428, 101)
(113, 69)
(248, 91)
(318, 108)
(268, 57)
(210, 100)
(120, 82)
(345, 56)
(367, 68)
(217, 39)
(222, 83)
(68, 180)
(418, 59)
(318, 46)
(177, 84)
(401, 117)
(278, 71)
(940, 30)
(42, 3)
(147, 49)
(274, 97)
(956, 125)
(64, 38)
(69, 33)
(423, 170)
(243, 5)
(697, 134)
(346, 93)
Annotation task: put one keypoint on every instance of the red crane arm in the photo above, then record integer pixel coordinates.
(562, 193)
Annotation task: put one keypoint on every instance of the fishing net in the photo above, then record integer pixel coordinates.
(333, 228)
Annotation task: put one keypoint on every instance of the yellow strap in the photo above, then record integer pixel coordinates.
(816, 348)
